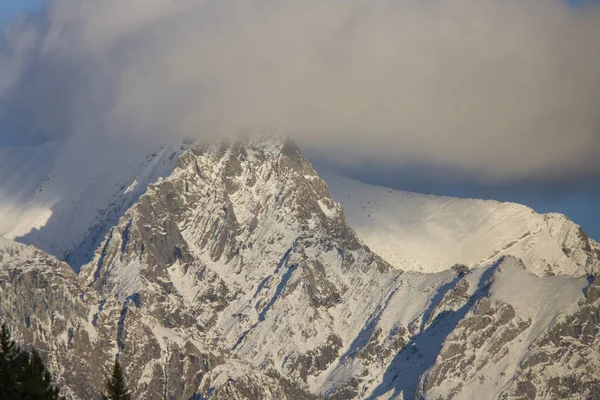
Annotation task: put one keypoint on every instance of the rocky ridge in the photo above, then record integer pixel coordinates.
(429, 233)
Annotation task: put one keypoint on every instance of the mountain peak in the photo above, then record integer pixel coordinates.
(430, 233)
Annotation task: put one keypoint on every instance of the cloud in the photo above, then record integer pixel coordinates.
(497, 89)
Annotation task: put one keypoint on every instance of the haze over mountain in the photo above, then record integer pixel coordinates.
(442, 87)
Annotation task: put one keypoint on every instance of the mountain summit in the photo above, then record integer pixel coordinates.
(431, 233)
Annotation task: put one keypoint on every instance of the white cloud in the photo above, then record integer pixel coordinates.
(502, 89)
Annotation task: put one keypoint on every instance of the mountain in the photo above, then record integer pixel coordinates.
(63, 196)
(235, 275)
(431, 233)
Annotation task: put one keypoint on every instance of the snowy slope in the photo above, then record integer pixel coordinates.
(59, 195)
(431, 233)
(482, 355)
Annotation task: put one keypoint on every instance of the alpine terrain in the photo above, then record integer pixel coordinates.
(234, 271)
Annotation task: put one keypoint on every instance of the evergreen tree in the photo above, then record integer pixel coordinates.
(37, 381)
(23, 375)
(8, 348)
(117, 389)
(8, 356)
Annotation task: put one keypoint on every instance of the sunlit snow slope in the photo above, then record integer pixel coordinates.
(431, 233)
(61, 195)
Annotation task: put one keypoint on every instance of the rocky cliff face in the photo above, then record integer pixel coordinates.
(508, 312)
(236, 276)
(48, 308)
(244, 245)
(565, 361)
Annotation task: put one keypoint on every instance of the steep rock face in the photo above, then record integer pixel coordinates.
(79, 333)
(467, 339)
(244, 244)
(63, 196)
(427, 233)
(238, 380)
(565, 362)
(511, 309)
(41, 298)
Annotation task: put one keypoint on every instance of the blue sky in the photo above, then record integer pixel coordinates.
(10, 8)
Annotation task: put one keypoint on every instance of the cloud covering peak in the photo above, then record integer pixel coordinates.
(497, 89)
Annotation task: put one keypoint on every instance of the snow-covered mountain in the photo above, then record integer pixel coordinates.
(232, 273)
(431, 233)
(62, 196)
